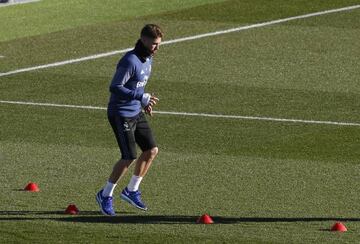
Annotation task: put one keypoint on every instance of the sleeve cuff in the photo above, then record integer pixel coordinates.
(145, 99)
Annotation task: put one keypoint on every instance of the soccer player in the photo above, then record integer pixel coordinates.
(127, 102)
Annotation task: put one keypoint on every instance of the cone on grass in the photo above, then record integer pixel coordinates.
(72, 209)
(33, 187)
(205, 219)
(338, 226)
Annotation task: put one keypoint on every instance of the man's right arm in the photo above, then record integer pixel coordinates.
(121, 77)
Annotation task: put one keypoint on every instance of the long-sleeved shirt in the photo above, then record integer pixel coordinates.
(128, 85)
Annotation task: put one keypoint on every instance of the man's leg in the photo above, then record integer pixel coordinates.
(146, 141)
(131, 193)
(124, 132)
(144, 161)
(142, 166)
(119, 170)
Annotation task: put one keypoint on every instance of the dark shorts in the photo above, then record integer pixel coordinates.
(132, 131)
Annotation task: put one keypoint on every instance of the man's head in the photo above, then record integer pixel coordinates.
(151, 36)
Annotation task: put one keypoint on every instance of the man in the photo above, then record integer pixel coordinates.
(127, 120)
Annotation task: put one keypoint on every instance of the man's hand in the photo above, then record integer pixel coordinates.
(153, 101)
(148, 110)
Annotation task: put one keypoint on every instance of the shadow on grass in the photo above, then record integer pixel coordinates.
(4, 213)
(45, 215)
(169, 219)
(96, 217)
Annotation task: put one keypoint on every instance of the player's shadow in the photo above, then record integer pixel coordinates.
(179, 219)
(14, 215)
(126, 218)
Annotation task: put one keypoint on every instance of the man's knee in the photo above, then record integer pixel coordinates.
(152, 152)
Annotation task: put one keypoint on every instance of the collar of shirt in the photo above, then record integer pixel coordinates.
(141, 51)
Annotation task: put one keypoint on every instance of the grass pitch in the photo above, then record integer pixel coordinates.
(263, 181)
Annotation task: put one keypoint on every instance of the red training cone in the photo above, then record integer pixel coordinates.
(33, 187)
(72, 209)
(338, 226)
(205, 219)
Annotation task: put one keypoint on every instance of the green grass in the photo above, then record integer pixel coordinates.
(264, 182)
(96, 37)
(49, 16)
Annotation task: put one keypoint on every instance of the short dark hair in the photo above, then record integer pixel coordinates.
(152, 31)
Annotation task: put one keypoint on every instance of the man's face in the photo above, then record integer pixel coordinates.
(151, 44)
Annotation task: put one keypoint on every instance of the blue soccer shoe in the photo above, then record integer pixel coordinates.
(134, 198)
(105, 204)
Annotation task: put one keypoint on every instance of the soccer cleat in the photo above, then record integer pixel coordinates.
(105, 204)
(134, 198)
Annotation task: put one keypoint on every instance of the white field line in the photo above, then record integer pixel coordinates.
(15, 2)
(192, 114)
(241, 28)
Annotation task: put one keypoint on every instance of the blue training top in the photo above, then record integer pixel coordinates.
(128, 85)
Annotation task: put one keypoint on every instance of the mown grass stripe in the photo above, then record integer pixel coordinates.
(221, 32)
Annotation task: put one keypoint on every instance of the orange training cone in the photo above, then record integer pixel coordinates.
(33, 187)
(338, 226)
(205, 219)
(72, 209)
